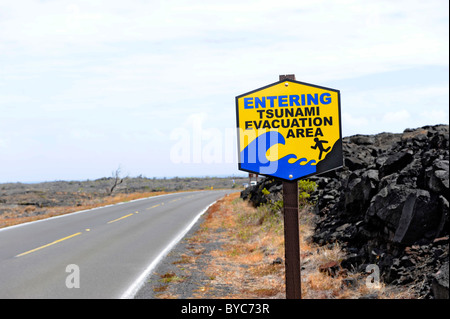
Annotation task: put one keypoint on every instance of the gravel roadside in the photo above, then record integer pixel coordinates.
(227, 254)
(181, 274)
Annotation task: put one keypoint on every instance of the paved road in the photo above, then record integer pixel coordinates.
(107, 251)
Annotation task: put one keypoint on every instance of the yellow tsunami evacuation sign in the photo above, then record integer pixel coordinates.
(289, 130)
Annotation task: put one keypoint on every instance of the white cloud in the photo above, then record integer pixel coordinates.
(13, 99)
(396, 116)
(373, 31)
(3, 143)
(85, 134)
(350, 120)
(436, 115)
(353, 125)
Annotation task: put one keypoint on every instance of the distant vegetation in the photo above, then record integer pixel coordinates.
(20, 202)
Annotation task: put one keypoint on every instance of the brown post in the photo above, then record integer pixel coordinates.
(287, 77)
(291, 233)
(291, 240)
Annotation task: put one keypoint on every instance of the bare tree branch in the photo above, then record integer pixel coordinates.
(117, 180)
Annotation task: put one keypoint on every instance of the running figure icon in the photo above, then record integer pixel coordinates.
(319, 144)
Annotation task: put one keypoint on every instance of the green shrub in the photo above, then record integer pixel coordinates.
(305, 188)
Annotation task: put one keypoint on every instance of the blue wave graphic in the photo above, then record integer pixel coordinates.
(253, 158)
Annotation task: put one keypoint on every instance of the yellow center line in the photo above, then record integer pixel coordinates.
(112, 221)
(153, 206)
(47, 245)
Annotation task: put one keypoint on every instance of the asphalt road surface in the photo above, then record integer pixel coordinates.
(100, 253)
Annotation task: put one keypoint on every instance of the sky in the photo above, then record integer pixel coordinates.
(87, 87)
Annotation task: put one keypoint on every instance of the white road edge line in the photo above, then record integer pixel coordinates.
(139, 282)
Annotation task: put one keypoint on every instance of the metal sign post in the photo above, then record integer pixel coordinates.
(291, 240)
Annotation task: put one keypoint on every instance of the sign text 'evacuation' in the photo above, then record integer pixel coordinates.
(303, 119)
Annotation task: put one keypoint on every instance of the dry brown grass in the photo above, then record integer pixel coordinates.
(245, 258)
(253, 239)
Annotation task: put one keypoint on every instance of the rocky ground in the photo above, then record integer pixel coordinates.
(387, 206)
